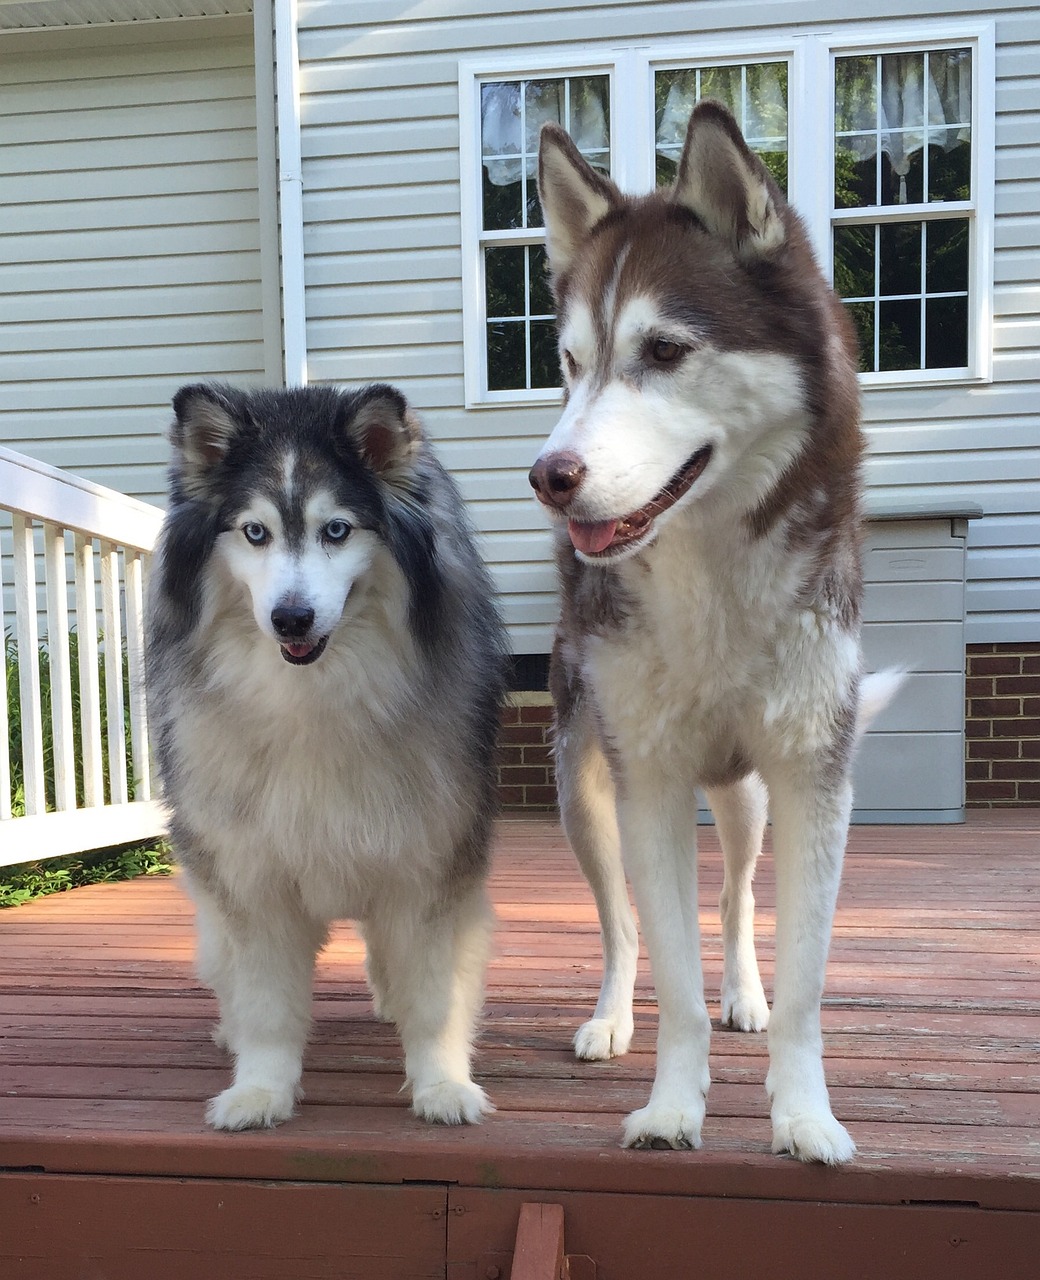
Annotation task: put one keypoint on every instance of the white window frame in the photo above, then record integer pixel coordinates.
(810, 54)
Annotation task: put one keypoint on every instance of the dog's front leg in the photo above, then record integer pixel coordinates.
(433, 963)
(810, 826)
(740, 820)
(260, 963)
(588, 811)
(658, 834)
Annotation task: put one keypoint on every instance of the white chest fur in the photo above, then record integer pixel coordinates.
(722, 655)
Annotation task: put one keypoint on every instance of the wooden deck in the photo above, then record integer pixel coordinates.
(932, 1022)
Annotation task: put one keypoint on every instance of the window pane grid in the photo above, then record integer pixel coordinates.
(902, 212)
(515, 321)
(913, 312)
(519, 330)
(755, 92)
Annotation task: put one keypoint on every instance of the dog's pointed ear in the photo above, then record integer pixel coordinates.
(205, 420)
(573, 195)
(384, 429)
(727, 187)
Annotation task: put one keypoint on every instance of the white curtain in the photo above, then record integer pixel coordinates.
(916, 108)
(759, 107)
(508, 148)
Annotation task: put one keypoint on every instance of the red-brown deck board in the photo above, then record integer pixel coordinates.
(931, 1019)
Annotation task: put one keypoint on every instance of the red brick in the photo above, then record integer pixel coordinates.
(521, 775)
(979, 687)
(996, 665)
(993, 749)
(511, 796)
(978, 728)
(988, 707)
(1031, 706)
(541, 797)
(522, 734)
(536, 715)
(1018, 686)
(542, 753)
(1029, 791)
(1031, 666)
(978, 770)
(973, 649)
(993, 791)
(1020, 728)
(1030, 748)
(509, 715)
(1026, 770)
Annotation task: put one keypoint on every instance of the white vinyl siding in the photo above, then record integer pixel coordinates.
(131, 242)
(385, 275)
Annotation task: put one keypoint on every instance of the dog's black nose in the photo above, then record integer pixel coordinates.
(557, 477)
(292, 620)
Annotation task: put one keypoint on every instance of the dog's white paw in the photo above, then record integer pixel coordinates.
(451, 1102)
(661, 1125)
(249, 1106)
(745, 1009)
(813, 1136)
(602, 1038)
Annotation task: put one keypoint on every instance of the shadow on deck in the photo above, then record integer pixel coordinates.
(932, 1026)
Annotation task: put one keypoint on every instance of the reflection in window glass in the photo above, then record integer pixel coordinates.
(756, 94)
(521, 331)
(903, 138)
(902, 128)
(512, 113)
(521, 350)
(906, 286)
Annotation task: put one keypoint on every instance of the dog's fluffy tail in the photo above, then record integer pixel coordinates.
(876, 691)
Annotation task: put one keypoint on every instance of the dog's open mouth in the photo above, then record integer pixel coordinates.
(607, 537)
(300, 653)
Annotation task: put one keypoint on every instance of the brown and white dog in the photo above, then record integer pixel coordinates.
(704, 483)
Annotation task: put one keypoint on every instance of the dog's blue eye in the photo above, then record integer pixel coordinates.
(255, 533)
(336, 531)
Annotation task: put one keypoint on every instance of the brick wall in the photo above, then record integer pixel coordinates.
(525, 770)
(1003, 725)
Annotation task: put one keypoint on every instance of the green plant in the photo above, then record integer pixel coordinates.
(29, 880)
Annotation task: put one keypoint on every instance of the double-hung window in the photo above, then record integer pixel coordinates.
(904, 203)
(901, 218)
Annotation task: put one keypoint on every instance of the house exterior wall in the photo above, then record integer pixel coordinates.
(131, 237)
(383, 270)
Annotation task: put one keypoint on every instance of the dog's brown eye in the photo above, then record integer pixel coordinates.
(666, 352)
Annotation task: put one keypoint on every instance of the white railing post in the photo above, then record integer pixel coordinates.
(56, 573)
(5, 728)
(133, 566)
(27, 639)
(112, 633)
(89, 681)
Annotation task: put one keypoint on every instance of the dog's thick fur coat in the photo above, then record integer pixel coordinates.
(704, 480)
(324, 670)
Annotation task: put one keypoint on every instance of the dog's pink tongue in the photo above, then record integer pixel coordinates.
(592, 538)
(299, 650)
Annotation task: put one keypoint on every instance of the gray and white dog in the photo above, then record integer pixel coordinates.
(324, 667)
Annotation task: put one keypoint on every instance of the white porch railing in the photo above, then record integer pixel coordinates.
(96, 792)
